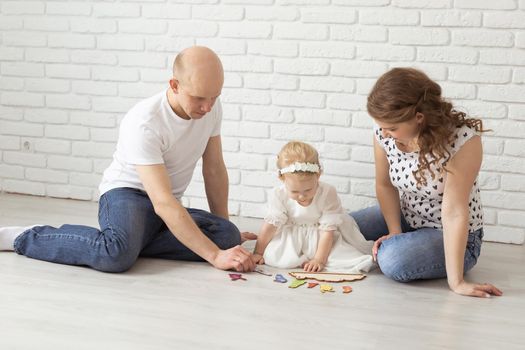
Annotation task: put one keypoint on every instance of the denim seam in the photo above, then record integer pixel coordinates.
(68, 236)
(105, 207)
(47, 236)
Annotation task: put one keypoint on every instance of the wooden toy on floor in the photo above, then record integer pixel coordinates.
(280, 278)
(296, 283)
(312, 284)
(327, 276)
(326, 288)
(262, 272)
(236, 276)
(347, 289)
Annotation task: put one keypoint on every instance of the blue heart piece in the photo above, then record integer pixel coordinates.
(279, 278)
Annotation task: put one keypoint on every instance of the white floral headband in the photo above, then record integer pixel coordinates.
(307, 167)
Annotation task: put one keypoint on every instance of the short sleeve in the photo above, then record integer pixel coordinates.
(277, 215)
(378, 135)
(463, 134)
(331, 209)
(218, 119)
(139, 145)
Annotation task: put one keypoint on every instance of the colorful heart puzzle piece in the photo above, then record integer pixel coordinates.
(347, 289)
(326, 288)
(262, 272)
(236, 276)
(279, 278)
(296, 283)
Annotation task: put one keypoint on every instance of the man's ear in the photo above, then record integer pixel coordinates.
(174, 84)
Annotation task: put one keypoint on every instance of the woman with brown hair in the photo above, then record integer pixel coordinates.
(429, 223)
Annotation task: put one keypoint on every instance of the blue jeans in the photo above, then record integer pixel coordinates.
(414, 254)
(129, 228)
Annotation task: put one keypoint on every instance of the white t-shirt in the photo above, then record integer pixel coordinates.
(421, 207)
(151, 133)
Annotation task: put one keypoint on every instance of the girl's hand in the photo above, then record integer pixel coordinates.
(313, 265)
(258, 259)
(484, 290)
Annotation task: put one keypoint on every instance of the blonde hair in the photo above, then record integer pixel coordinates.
(296, 151)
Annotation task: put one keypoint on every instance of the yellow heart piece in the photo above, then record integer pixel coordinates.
(326, 288)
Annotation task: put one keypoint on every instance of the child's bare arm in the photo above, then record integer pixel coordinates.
(264, 237)
(324, 247)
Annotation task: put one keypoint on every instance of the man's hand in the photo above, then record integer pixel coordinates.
(236, 258)
(257, 259)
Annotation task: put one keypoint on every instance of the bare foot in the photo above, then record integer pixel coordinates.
(247, 236)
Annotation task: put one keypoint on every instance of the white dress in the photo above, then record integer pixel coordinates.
(298, 231)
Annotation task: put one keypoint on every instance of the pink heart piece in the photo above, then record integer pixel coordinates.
(236, 276)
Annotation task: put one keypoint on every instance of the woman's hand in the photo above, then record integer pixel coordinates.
(377, 244)
(484, 290)
(313, 265)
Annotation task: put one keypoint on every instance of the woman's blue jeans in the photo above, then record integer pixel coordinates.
(129, 228)
(414, 254)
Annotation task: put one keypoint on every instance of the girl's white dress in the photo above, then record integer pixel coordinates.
(298, 232)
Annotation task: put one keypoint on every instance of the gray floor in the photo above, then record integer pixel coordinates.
(176, 305)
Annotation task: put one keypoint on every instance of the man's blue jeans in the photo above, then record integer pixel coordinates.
(414, 254)
(129, 228)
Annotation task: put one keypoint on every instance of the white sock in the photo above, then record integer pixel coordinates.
(9, 234)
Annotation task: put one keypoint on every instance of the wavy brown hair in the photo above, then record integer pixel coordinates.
(401, 93)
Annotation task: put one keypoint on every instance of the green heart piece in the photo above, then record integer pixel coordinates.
(296, 283)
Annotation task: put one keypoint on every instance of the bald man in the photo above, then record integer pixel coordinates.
(140, 214)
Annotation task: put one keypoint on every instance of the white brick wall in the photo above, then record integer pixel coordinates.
(294, 69)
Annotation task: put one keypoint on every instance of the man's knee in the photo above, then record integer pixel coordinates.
(228, 235)
(221, 231)
(115, 261)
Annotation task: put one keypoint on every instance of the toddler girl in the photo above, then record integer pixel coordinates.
(306, 225)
